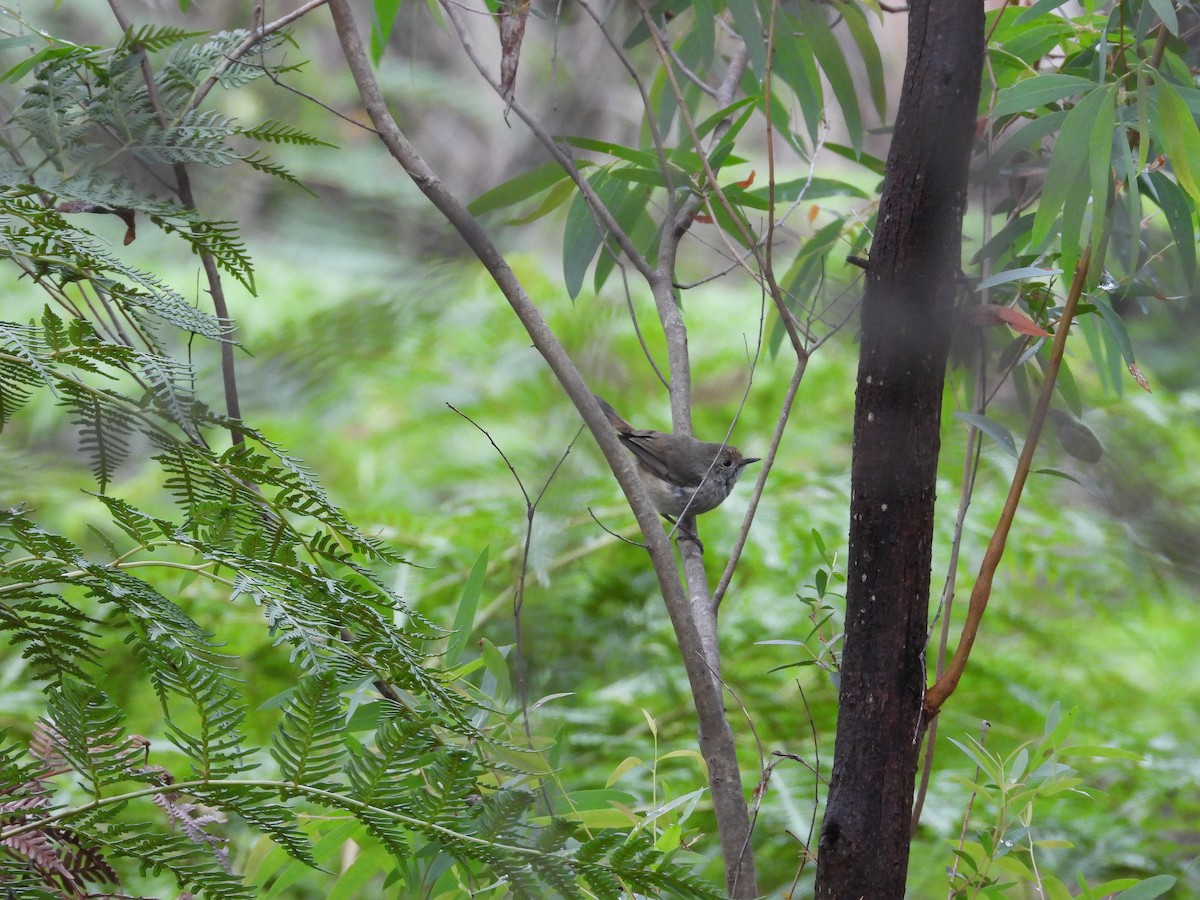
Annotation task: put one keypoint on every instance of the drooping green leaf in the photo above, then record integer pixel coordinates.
(833, 63)
(750, 29)
(555, 197)
(1166, 13)
(866, 160)
(1177, 209)
(1067, 179)
(1116, 327)
(795, 64)
(868, 48)
(1181, 138)
(464, 616)
(1026, 139)
(582, 236)
(1100, 166)
(382, 22)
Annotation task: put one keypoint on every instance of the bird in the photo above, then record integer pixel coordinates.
(682, 474)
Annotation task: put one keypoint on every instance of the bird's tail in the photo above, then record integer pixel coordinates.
(613, 416)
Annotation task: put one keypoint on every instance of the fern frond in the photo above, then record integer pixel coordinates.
(220, 239)
(387, 775)
(16, 382)
(146, 530)
(187, 67)
(85, 729)
(450, 780)
(263, 164)
(308, 741)
(39, 543)
(191, 866)
(596, 848)
(211, 735)
(199, 137)
(53, 636)
(554, 836)
(104, 430)
(261, 808)
(301, 493)
(275, 132)
(65, 254)
(26, 342)
(495, 813)
(152, 38)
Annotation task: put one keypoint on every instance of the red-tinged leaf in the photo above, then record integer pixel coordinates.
(749, 181)
(989, 314)
(703, 218)
(813, 212)
(1139, 377)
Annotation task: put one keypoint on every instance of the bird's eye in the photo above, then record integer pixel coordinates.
(727, 462)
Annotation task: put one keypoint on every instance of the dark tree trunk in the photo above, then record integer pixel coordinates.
(907, 316)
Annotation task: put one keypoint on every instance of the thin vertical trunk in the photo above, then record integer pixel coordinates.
(907, 314)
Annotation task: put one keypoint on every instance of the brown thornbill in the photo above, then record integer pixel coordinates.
(681, 474)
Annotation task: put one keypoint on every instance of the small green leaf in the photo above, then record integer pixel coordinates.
(1116, 327)
(1038, 91)
(1019, 274)
(1096, 752)
(992, 429)
(44, 55)
(866, 160)
(1100, 152)
(646, 159)
(464, 617)
(517, 189)
(497, 667)
(703, 129)
(1068, 389)
(1038, 9)
(555, 197)
(1166, 12)
(1055, 889)
(670, 839)
(1148, 889)
(382, 21)
(819, 542)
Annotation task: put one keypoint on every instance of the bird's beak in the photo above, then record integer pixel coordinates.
(752, 459)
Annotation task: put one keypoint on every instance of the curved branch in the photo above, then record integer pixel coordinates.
(982, 591)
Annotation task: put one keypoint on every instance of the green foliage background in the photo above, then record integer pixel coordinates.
(369, 321)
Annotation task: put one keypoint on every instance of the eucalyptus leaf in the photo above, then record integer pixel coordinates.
(992, 429)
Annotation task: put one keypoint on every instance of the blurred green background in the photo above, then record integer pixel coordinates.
(371, 320)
